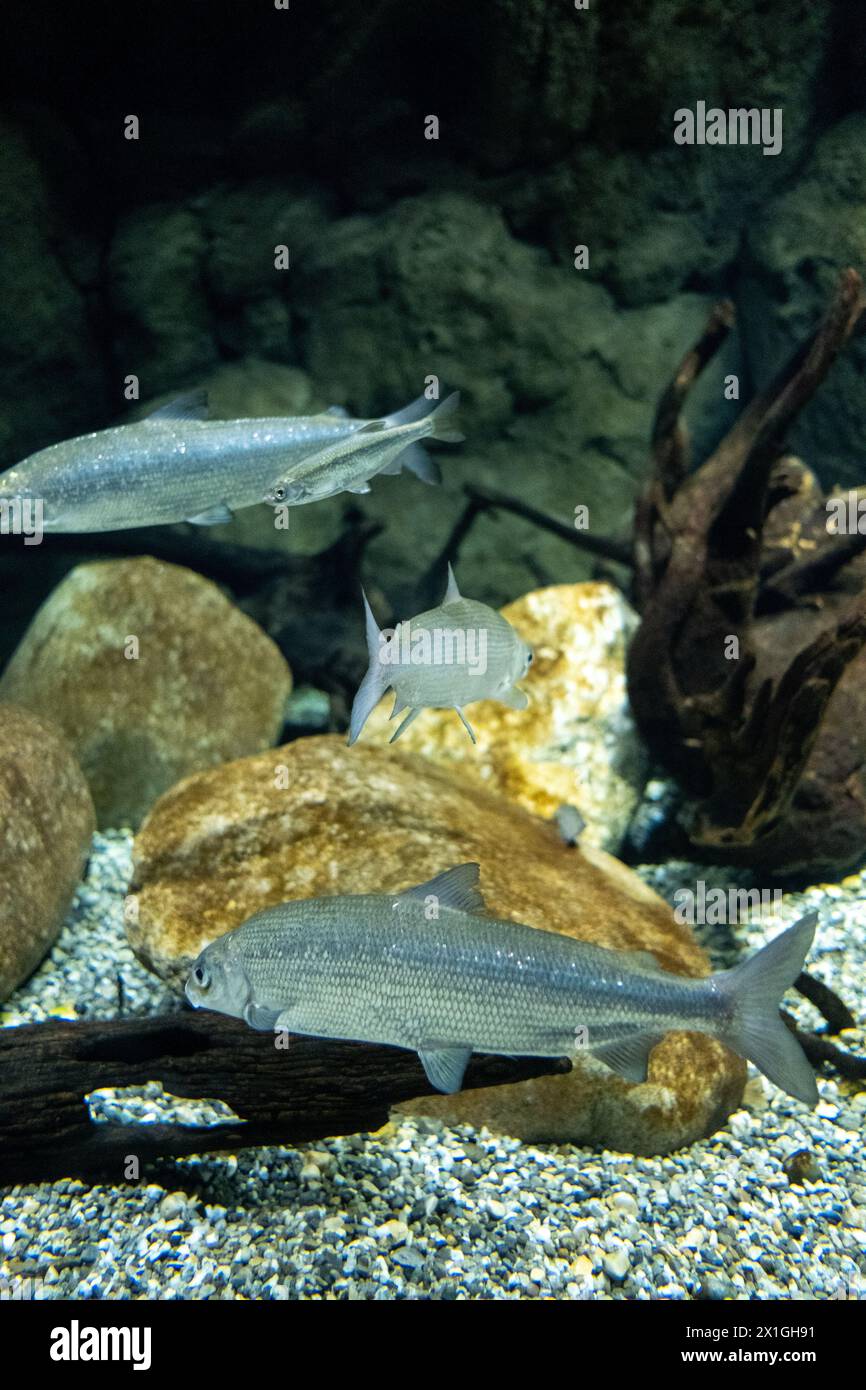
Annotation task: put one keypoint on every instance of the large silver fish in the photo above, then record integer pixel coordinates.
(177, 465)
(445, 658)
(428, 970)
(377, 446)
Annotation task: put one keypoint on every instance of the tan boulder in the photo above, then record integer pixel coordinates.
(576, 742)
(315, 817)
(152, 674)
(46, 825)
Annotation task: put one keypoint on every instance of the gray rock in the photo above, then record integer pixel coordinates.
(203, 685)
(46, 822)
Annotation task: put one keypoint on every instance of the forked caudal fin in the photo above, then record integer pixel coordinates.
(375, 682)
(444, 420)
(414, 457)
(441, 413)
(757, 1032)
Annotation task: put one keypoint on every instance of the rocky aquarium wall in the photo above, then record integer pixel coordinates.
(497, 369)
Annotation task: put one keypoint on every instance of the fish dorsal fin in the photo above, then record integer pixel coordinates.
(457, 887)
(628, 1057)
(371, 627)
(192, 405)
(452, 593)
(338, 410)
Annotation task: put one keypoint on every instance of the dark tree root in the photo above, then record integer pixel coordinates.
(821, 1051)
(832, 1009)
(306, 1091)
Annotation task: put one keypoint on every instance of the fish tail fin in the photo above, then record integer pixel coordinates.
(756, 1031)
(441, 415)
(375, 682)
(443, 422)
(415, 410)
(418, 461)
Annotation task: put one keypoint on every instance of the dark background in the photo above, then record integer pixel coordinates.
(410, 256)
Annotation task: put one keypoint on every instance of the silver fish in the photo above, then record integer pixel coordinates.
(426, 969)
(445, 658)
(176, 465)
(569, 822)
(378, 446)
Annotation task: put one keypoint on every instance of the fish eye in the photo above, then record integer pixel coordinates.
(201, 976)
(279, 492)
(529, 658)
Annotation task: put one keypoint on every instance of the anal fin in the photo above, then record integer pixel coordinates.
(445, 1067)
(627, 1056)
(212, 516)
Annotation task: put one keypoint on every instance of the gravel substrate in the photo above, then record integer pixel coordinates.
(772, 1206)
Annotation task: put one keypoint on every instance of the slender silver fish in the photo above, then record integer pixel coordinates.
(426, 969)
(445, 658)
(177, 465)
(377, 446)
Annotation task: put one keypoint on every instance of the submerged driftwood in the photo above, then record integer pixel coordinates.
(746, 674)
(283, 1095)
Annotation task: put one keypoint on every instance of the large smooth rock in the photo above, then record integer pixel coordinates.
(206, 686)
(315, 818)
(46, 824)
(576, 742)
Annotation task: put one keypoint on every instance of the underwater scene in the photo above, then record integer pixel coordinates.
(433, 658)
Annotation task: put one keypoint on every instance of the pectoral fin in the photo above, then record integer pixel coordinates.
(627, 1056)
(359, 487)
(263, 1020)
(445, 1066)
(514, 698)
(212, 517)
